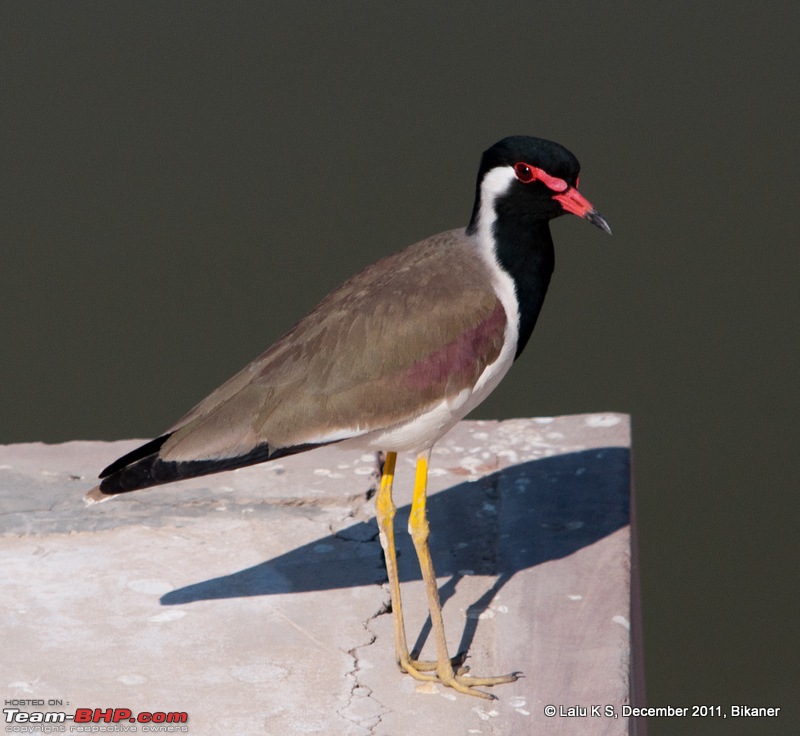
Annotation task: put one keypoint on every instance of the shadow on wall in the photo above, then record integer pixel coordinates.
(510, 520)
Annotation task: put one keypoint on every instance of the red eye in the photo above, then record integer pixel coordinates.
(524, 173)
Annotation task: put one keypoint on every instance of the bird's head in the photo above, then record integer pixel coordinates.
(529, 179)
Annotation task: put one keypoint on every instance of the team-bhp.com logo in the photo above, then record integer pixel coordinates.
(156, 722)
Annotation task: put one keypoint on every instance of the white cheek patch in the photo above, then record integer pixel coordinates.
(495, 184)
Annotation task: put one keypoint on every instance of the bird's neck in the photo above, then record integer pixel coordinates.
(525, 253)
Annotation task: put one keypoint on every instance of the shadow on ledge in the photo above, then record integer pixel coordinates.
(513, 519)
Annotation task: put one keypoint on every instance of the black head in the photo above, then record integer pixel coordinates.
(531, 179)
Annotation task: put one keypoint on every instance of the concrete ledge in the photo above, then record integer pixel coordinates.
(254, 600)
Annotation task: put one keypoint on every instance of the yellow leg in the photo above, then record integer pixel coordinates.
(384, 512)
(420, 531)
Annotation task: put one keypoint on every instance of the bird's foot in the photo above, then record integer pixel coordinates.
(467, 684)
(455, 676)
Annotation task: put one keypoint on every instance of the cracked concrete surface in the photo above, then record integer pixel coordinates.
(255, 600)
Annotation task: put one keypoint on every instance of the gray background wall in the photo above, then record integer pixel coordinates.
(181, 182)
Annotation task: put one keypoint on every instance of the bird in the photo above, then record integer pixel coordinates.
(389, 362)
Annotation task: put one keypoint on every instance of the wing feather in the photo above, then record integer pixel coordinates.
(393, 340)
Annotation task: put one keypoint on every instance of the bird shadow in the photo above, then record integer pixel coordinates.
(511, 520)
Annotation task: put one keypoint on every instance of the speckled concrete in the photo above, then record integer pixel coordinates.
(254, 600)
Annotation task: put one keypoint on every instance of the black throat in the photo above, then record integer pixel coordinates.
(525, 252)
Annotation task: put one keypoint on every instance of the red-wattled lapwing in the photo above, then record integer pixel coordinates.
(391, 360)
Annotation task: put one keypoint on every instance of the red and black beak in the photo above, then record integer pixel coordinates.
(574, 202)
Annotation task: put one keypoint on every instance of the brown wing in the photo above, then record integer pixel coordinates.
(392, 341)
